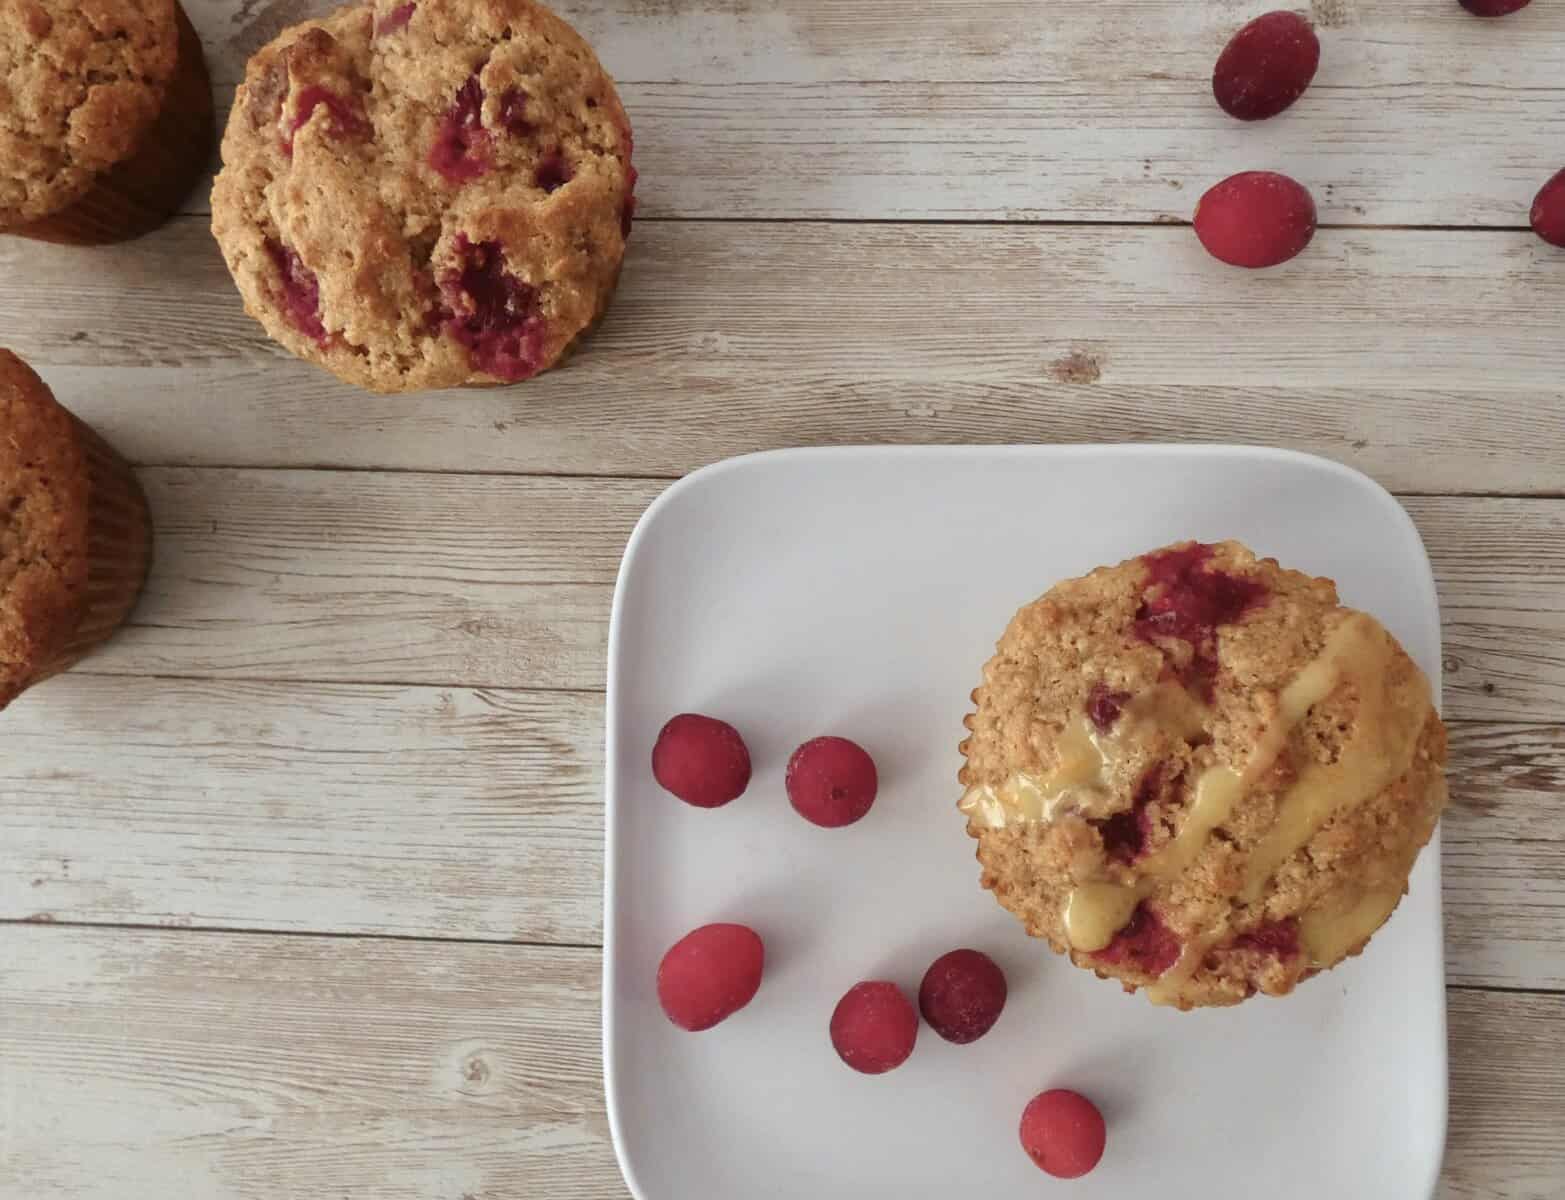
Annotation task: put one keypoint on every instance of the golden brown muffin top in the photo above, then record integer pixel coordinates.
(43, 525)
(80, 82)
(1199, 774)
(426, 194)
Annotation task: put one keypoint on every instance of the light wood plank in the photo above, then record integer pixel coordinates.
(248, 1068)
(367, 577)
(1504, 856)
(1130, 150)
(445, 812)
(431, 811)
(1500, 573)
(506, 581)
(996, 41)
(999, 109)
(1426, 359)
(252, 1068)
(1507, 1094)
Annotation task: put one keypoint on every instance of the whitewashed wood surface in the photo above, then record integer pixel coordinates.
(299, 879)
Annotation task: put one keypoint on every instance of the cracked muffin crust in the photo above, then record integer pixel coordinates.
(103, 106)
(427, 193)
(75, 540)
(1199, 774)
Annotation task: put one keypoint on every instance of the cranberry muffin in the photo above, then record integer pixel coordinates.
(1197, 773)
(106, 117)
(75, 539)
(427, 194)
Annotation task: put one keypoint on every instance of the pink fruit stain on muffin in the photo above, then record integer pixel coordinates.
(493, 313)
(301, 291)
(461, 149)
(396, 19)
(1144, 943)
(1104, 706)
(1186, 600)
(513, 112)
(345, 119)
(1280, 938)
(552, 172)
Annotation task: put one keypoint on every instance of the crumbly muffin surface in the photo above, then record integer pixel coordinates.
(426, 194)
(1199, 774)
(80, 82)
(43, 525)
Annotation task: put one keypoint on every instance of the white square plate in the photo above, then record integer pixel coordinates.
(859, 592)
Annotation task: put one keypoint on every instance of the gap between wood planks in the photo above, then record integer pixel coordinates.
(1012, 222)
(45, 921)
(517, 943)
(85, 670)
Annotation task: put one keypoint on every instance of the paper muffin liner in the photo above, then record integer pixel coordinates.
(119, 550)
(139, 194)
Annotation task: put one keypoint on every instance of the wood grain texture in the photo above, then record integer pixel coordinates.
(452, 813)
(442, 812)
(1504, 856)
(506, 581)
(1425, 359)
(251, 1068)
(1004, 110)
(366, 577)
(141, 1066)
(1420, 42)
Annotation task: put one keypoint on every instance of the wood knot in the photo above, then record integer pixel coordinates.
(1077, 367)
(475, 1070)
(470, 1069)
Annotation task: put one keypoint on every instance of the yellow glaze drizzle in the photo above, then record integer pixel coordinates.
(1027, 799)
(1080, 781)
(1217, 792)
(1390, 720)
(1165, 990)
(1096, 911)
(1329, 934)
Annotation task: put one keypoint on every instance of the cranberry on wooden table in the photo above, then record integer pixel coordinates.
(1255, 219)
(1548, 211)
(1266, 66)
(1494, 8)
